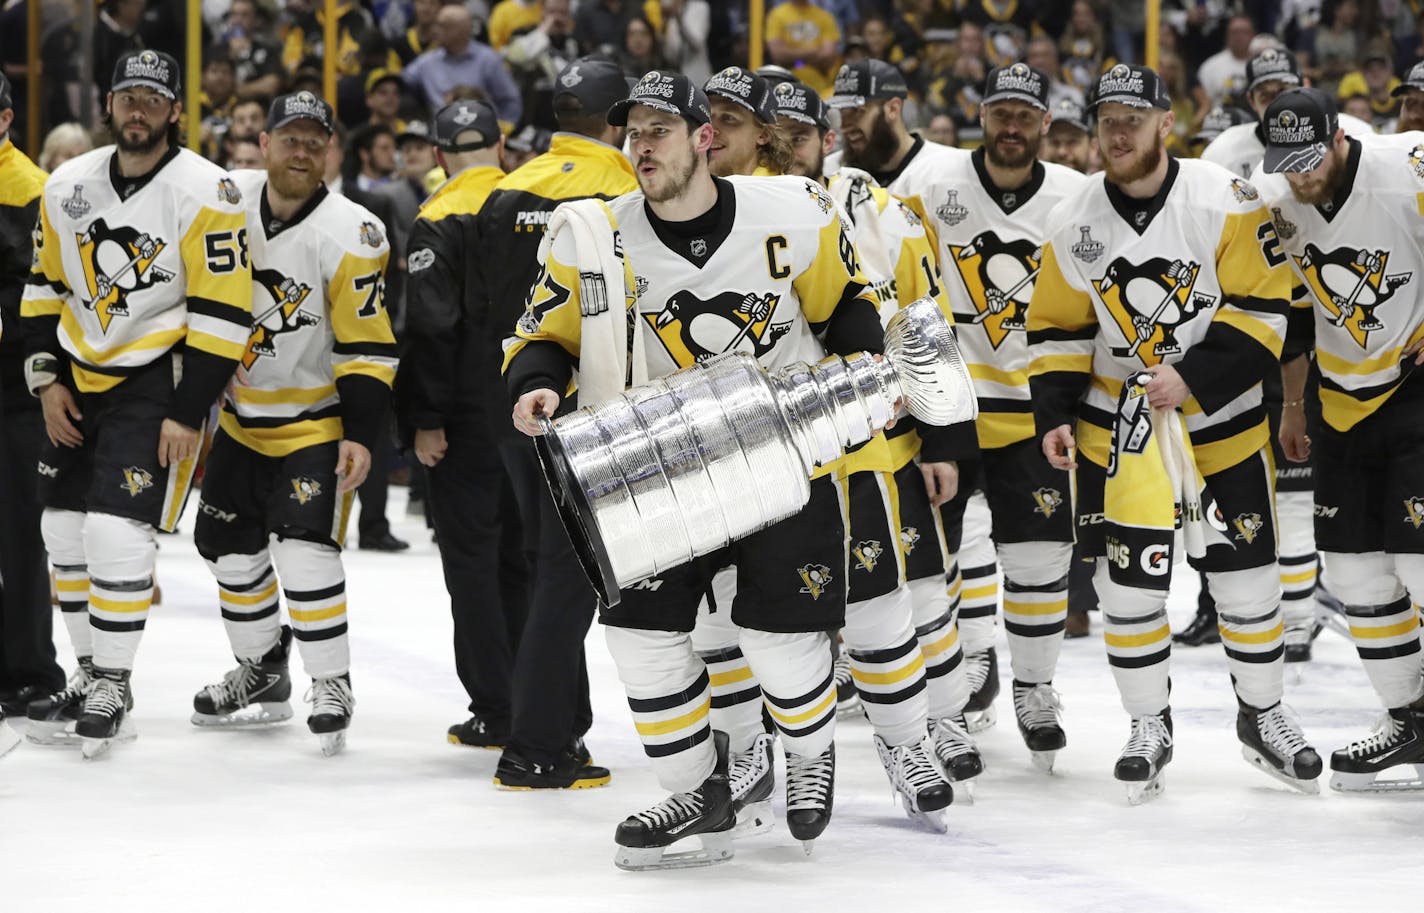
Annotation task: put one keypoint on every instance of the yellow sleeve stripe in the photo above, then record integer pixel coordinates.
(821, 286)
(216, 345)
(1259, 330)
(384, 373)
(41, 307)
(225, 275)
(991, 374)
(1051, 364)
(349, 299)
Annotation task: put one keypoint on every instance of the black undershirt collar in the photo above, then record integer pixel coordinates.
(1329, 210)
(698, 238)
(126, 187)
(273, 226)
(1013, 198)
(1138, 214)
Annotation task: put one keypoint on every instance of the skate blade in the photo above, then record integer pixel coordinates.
(1145, 791)
(332, 742)
(935, 822)
(1342, 782)
(980, 720)
(52, 734)
(964, 792)
(716, 848)
(754, 818)
(253, 716)
(9, 739)
(1255, 759)
(1043, 760)
(93, 749)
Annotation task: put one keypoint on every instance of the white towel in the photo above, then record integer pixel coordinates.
(852, 190)
(605, 343)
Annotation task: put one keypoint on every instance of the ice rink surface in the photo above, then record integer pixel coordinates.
(201, 821)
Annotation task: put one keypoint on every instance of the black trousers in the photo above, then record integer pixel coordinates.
(486, 563)
(373, 492)
(551, 705)
(26, 619)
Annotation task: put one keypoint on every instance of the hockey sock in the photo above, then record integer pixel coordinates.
(946, 683)
(1383, 621)
(1298, 560)
(247, 593)
(121, 556)
(670, 698)
(63, 532)
(1035, 606)
(1139, 642)
(887, 665)
(799, 683)
(736, 694)
(314, 583)
(1248, 611)
(977, 564)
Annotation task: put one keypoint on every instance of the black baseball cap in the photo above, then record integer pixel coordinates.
(1272, 64)
(598, 84)
(530, 139)
(662, 90)
(1068, 111)
(1415, 80)
(1016, 82)
(799, 101)
(1131, 85)
(150, 70)
(865, 81)
(1220, 119)
(775, 75)
(296, 106)
(744, 88)
(7, 101)
(1300, 125)
(468, 115)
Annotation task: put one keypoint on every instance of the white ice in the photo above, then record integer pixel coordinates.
(205, 821)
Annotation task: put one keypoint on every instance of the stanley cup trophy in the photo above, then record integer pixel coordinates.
(693, 461)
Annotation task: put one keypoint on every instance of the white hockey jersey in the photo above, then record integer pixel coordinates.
(1240, 149)
(1359, 265)
(131, 277)
(318, 282)
(990, 247)
(1194, 278)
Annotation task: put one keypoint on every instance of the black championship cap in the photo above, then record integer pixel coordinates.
(150, 70)
(746, 89)
(598, 84)
(799, 101)
(1068, 111)
(1131, 85)
(867, 80)
(1220, 119)
(672, 93)
(774, 74)
(461, 118)
(6, 100)
(1415, 80)
(1300, 125)
(296, 106)
(1272, 64)
(530, 139)
(1016, 82)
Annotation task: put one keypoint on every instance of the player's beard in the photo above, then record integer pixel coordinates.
(1324, 189)
(674, 178)
(147, 143)
(815, 169)
(881, 144)
(1140, 167)
(1024, 157)
(293, 185)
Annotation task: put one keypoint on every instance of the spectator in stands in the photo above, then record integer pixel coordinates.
(244, 153)
(1082, 47)
(540, 54)
(1376, 82)
(406, 189)
(941, 130)
(217, 99)
(306, 38)
(371, 157)
(249, 117)
(1411, 101)
(1069, 141)
(805, 38)
(1042, 54)
(512, 17)
(1356, 106)
(420, 36)
(686, 27)
(640, 52)
(854, 48)
(1337, 46)
(1187, 118)
(252, 45)
(1223, 74)
(115, 34)
(383, 98)
(1129, 24)
(62, 144)
(599, 25)
(460, 60)
(962, 91)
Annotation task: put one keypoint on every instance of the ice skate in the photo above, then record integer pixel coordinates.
(921, 786)
(9, 738)
(1148, 751)
(982, 668)
(957, 754)
(52, 719)
(1203, 628)
(1040, 715)
(332, 703)
(1396, 746)
(752, 777)
(706, 812)
(847, 696)
(810, 795)
(253, 695)
(1271, 740)
(104, 719)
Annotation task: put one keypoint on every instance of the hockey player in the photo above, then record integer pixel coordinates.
(687, 238)
(137, 312)
(746, 138)
(296, 431)
(1183, 241)
(1348, 222)
(990, 208)
(1070, 140)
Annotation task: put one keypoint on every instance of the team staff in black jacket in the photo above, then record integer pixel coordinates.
(551, 707)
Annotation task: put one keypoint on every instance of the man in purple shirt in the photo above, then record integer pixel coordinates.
(459, 60)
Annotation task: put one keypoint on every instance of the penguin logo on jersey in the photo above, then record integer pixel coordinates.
(117, 262)
(304, 490)
(1350, 284)
(909, 215)
(1285, 228)
(999, 276)
(1413, 511)
(1248, 527)
(1243, 191)
(74, 205)
(818, 194)
(228, 192)
(951, 212)
(909, 538)
(693, 330)
(371, 234)
(284, 316)
(136, 481)
(815, 579)
(1048, 501)
(543, 297)
(867, 554)
(1416, 160)
(1150, 302)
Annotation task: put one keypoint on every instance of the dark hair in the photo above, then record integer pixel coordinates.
(363, 138)
(573, 119)
(259, 102)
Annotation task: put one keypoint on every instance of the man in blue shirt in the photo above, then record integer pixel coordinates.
(459, 60)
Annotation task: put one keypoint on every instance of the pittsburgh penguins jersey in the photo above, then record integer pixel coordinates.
(126, 269)
(320, 356)
(990, 246)
(1358, 262)
(1241, 148)
(1193, 277)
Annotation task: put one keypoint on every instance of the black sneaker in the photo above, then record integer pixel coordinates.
(476, 732)
(383, 542)
(515, 771)
(15, 701)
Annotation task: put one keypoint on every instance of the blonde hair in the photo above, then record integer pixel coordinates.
(60, 141)
(776, 155)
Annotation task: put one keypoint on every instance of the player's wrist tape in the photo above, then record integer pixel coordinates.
(41, 370)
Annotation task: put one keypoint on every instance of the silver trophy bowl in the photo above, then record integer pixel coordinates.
(693, 461)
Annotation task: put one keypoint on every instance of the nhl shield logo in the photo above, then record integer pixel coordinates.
(1085, 248)
(698, 247)
(1414, 512)
(815, 579)
(1248, 527)
(304, 490)
(136, 481)
(951, 212)
(867, 554)
(74, 205)
(1048, 501)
